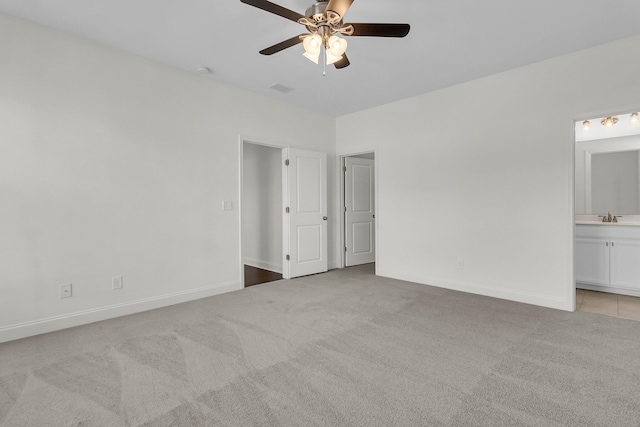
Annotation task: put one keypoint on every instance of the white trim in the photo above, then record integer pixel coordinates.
(571, 190)
(525, 297)
(55, 323)
(286, 242)
(265, 265)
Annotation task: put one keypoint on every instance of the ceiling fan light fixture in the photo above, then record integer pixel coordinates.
(323, 21)
(310, 57)
(312, 45)
(332, 59)
(634, 120)
(336, 46)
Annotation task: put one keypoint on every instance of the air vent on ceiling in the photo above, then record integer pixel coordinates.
(281, 88)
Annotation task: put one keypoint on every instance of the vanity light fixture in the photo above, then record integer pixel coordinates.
(609, 122)
(586, 126)
(633, 121)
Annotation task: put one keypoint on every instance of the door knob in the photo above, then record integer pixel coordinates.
(325, 218)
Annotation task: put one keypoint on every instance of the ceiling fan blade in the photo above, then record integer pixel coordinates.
(343, 63)
(380, 30)
(339, 6)
(282, 45)
(274, 8)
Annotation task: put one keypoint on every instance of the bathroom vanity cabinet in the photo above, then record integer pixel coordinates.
(608, 258)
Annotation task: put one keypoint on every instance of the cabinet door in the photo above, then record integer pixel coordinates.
(625, 263)
(592, 261)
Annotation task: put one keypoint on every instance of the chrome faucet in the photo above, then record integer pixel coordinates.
(609, 218)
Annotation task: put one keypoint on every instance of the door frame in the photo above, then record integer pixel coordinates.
(340, 168)
(241, 141)
(573, 118)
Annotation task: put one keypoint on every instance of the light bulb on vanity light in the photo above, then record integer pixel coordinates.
(609, 122)
(633, 121)
(586, 126)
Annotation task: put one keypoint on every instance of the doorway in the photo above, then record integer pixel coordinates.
(261, 213)
(283, 212)
(358, 202)
(607, 212)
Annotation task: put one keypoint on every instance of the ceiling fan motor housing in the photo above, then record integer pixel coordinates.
(318, 8)
(319, 20)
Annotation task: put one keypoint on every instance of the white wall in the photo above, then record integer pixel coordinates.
(262, 207)
(113, 165)
(483, 172)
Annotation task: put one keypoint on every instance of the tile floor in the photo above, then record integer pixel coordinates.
(608, 304)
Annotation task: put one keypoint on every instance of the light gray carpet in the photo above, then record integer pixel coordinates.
(344, 348)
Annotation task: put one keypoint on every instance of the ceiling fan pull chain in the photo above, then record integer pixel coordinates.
(324, 62)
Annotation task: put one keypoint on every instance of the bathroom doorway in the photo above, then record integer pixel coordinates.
(607, 220)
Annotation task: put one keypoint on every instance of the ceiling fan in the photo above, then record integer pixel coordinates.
(323, 22)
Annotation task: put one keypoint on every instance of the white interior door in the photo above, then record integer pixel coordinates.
(359, 211)
(305, 223)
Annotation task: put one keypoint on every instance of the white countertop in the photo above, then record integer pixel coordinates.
(624, 220)
(609, 224)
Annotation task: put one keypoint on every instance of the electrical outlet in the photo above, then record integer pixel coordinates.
(227, 205)
(116, 282)
(65, 291)
(460, 264)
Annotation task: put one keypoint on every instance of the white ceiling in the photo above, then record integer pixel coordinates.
(451, 41)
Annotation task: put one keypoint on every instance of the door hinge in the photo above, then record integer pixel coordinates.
(345, 249)
(345, 208)
(288, 258)
(287, 209)
(345, 168)
(286, 162)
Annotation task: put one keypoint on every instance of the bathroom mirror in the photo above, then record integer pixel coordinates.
(615, 183)
(608, 176)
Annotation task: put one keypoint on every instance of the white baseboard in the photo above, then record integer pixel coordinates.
(609, 289)
(263, 265)
(480, 289)
(55, 323)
